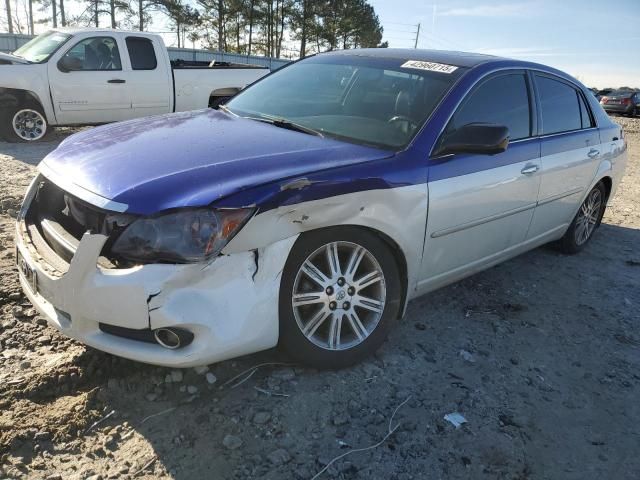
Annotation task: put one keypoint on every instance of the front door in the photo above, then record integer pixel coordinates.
(89, 83)
(481, 205)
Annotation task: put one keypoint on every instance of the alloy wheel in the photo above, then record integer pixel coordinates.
(30, 125)
(339, 295)
(588, 216)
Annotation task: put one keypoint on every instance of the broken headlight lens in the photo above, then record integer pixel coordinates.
(184, 236)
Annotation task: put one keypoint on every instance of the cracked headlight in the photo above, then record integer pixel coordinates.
(182, 236)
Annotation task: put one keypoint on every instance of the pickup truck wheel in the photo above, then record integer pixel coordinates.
(25, 123)
(340, 295)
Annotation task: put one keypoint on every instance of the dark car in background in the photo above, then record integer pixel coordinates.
(601, 93)
(621, 101)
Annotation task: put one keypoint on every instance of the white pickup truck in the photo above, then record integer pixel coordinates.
(92, 76)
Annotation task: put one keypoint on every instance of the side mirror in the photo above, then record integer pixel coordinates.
(481, 138)
(69, 64)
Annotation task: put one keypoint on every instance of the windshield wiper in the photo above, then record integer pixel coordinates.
(287, 124)
(225, 109)
(20, 56)
(296, 127)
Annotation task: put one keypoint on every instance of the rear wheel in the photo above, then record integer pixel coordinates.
(24, 123)
(585, 222)
(339, 296)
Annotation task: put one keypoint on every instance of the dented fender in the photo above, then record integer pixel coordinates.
(399, 213)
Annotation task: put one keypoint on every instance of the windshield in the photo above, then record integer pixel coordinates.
(366, 100)
(42, 47)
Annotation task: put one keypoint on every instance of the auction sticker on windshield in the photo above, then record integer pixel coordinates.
(430, 66)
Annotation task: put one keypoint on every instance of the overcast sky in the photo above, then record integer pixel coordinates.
(598, 42)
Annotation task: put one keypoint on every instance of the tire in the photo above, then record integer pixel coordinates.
(29, 116)
(333, 303)
(591, 211)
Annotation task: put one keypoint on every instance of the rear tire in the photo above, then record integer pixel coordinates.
(24, 123)
(333, 317)
(586, 221)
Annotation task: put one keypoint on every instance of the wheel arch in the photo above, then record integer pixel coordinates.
(608, 186)
(13, 97)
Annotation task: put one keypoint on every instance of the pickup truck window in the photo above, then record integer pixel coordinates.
(364, 100)
(42, 47)
(95, 53)
(141, 53)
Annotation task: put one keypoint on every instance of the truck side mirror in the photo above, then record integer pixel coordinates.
(69, 64)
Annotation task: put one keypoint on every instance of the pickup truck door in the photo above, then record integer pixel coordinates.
(150, 77)
(89, 83)
(480, 206)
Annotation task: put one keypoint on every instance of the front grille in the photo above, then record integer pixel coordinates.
(56, 222)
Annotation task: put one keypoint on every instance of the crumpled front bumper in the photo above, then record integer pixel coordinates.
(230, 304)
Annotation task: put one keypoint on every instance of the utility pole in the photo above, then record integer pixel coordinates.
(417, 36)
(9, 19)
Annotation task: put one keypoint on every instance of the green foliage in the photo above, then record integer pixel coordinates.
(270, 26)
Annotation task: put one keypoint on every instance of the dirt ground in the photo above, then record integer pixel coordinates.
(541, 355)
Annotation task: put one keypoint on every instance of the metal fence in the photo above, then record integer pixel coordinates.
(9, 43)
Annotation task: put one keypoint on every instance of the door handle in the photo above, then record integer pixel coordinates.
(529, 169)
(116, 80)
(593, 153)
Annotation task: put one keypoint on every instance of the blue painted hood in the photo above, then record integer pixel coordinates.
(193, 158)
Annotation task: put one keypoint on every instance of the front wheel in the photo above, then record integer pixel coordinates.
(585, 222)
(26, 123)
(339, 296)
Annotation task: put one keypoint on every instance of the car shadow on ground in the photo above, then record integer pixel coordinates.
(538, 353)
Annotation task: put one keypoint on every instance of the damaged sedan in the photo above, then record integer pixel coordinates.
(308, 210)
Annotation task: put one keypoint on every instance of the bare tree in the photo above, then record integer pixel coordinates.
(63, 18)
(31, 29)
(9, 18)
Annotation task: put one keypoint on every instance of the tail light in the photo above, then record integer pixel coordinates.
(626, 101)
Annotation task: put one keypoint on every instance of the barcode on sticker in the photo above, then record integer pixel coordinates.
(430, 66)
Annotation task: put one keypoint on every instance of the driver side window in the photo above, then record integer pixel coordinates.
(94, 54)
(501, 100)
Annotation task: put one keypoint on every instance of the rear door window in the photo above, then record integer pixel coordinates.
(501, 100)
(141, 53)
(560, 106)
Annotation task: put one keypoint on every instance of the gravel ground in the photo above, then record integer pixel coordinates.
(541, 355)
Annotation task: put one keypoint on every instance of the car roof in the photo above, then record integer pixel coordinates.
(460, 59)
(74, 30)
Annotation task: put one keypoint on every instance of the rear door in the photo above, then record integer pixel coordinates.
(89, 82)
(570, 153)
(482, 205)
(150, 80)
